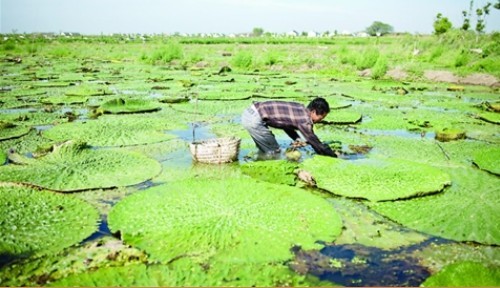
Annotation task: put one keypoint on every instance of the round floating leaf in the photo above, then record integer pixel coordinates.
(279, 172)
(465, 274)
(343, 116)
(466, 211)
(120, 105)
(3, 157)
(111, 131)
(74, 166)
(488, 159)
(490, 117)
(89, 90)
(64, 100)
(228, 221)
(185, 273)
(10, 131)
(446, 134)
(376, 180)
(36, 222)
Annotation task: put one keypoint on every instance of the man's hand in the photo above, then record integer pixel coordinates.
(298, 143)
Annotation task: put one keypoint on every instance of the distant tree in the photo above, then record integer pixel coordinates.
(441, 24)
(378, 28)
(497, 5)
(257, 31)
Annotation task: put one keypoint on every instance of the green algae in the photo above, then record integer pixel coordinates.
(466, 211)
(36, 222)
(375, 180)
(73, 166)
(465, 274)
(224, 221)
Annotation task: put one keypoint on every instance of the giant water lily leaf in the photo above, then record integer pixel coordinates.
(74, 166)
(279, 172)
(3, 157)
(89, 90)
(64, 100)
(467, 211)
(111, 131)
(121, 105)
(488, 159)
(465, 274)
(36, 222)
(343, 116)
(41, 270)
(376, 180)
(490, 117)
(185, 273)
(227, 221)
(9, 130)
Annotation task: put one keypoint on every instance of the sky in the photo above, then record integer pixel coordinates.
(230, 16)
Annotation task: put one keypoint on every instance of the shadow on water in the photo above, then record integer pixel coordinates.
(358, 265)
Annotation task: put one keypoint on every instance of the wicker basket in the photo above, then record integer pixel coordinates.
(216, 151)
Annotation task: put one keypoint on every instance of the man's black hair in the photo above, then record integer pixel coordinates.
(319, 105)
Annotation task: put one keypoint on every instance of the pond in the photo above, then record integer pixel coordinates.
(98, 183)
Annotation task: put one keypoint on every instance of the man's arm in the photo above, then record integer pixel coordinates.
(292, 134)
(314, 141)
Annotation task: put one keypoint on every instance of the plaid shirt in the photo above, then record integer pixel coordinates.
(291, 116)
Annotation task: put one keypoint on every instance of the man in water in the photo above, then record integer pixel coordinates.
(289, 116)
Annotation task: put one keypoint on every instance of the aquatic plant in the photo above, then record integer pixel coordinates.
(224, 221)
(58, 100)
(112, 131)
(73, 166)
(488, 159)
(278, 172)
(9, 130)
(36, 222)
(124, 105)
(466, 211)
(3, 157)
(42, 270)
(465, 274)
(186, 273)
(376, 180)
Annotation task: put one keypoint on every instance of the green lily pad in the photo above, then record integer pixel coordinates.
(36, 222)
(120, 105)
(10, 131)
(376, 180)
(343, 116)
(41, 270)
(73, 166)
(185, 273)
(446, 134)
(58, 100)
(467, 211)
(227, 221)
(279, 171)
(490, 117)
(465, 274)
(488, 159)
(112, 131)
(3, 157)
(89, 90)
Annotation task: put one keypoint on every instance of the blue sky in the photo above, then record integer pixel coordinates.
(229, 16)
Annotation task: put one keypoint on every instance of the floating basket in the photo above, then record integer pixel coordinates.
(216, 151)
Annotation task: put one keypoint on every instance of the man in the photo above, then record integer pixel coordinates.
(289, 116)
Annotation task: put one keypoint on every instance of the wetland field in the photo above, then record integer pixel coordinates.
(98, 186)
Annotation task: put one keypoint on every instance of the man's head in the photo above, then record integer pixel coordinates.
(319, 108)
